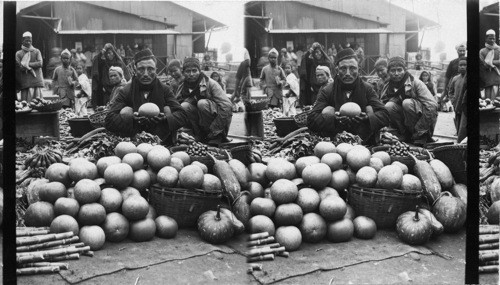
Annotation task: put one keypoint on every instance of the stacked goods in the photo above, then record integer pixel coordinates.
(40, 250)
(263, 247)
(43, 157)
(488, 248)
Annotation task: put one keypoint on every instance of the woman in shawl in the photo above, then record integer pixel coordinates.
(313, 57)
(426, 78)
(29, 64)
(117, 80)
(101, 87)
(489, 73)
(216, 76)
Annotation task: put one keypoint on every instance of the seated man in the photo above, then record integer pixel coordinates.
(411, 106)
(143, 88)
(348, 87)
(208, 108)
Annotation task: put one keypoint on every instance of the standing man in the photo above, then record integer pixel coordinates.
(208, 108)
(29, 77)
(489, 73)
(348, 87)
(272, 79)
(452, 69)
(145, 87)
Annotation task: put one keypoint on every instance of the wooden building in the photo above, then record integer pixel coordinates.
(169, 29)
(379, 27)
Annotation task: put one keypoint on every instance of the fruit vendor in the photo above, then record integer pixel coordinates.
(145, 87)
(208, 108)
(348, 87)
(29, 62)
(489, 67)
(411, 106)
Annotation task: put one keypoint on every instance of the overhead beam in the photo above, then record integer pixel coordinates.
(39, 17)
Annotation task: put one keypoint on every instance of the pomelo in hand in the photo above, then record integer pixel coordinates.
(289, 237)
(261, 223)
(403, 166)
(176, 163)
(142, 230)
(350, 109)
(92, 236)
(64, 223)
(166, 227)
(200, 165)
(149, 110)
(340, 231)
(308, 199)
(313, 228)
(116, 227)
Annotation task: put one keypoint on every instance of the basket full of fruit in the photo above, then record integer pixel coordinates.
(42, 105)
(199, 152)
(22, 107)
(400, 151)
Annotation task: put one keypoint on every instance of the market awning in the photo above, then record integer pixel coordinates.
(101, 32)
(330, 31)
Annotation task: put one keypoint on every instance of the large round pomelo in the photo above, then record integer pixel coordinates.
(343, 149)
(191, 177)
(284, 191)
(288, 214)
(366, 177)
(280, 168)
(116, 227)
(390, 177)
(333, 160)
(167, 176)
(328, 112)
(135, 160)
(141, 180)
(364, 227)
(332, 208)
(158, 157)
(211, 183)
(258, 173)
(176, 163)
(384, 156)
(142, 230)
(322, 148)
(143, 149)
(52, 191)
(340, 231)
(289, 237)
(376, 163)
(317, 175)
(358, 157)
(39, 214)
(304, 161)
(261, 223)
(123, 148)
(111, 199)
(64, 223)
(58, 172)
(262, 206)
(308, 199)
(411, 183)
(129, 191)
(325, 192)
(106, 161)
(81, 168)
(340, 180)
(201, 165)
(119, 175)
(149, 110)
(166, 227)
(313, 228)
(255, 189)
(87, 191)
(350, 109)
(92, 236)
(182, 155)
(66, 206)
(403, 166)
(91, 214)
(127, 114)
(135, 208)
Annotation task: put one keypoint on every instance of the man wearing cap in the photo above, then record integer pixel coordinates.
(452, 69)
(411, 106)
(65, 80)
(489, 73)
(348, 87)
(272, 78)
(208, 108)
(381, 69)
(29, 69)
(145, 87)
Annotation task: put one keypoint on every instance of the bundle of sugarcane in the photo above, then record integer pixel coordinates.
(489, 236)
(263, 247)
(39, 251)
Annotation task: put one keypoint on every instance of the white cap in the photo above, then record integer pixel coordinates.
(490, 32)
(27, 34)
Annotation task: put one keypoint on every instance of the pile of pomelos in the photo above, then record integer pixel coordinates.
(71, 199)
(303, 201)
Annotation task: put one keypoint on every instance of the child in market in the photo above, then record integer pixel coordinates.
(426, 78)
(456, 89)
(272, 78)
(65, 79)
(216, 76)
(83, 91)
(291, 92)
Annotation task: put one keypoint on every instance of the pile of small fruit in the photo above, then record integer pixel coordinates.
(197, 149)
(22, 106)
(43, 157)
(401, 149)
(488, 103)
(38, 102)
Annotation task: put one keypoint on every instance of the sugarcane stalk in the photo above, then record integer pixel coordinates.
(72, 256)
(488, 255)
(42, 238)
(489, 230)
(495, 262)
(261, 258)
(284, 254)
(48, 244)
(484, 246)
(37, 270)
(264, 251)
(88, 253)
(32, 233)
(64, 266)
(55, 252)
(488, 239)
(32, 228)
(488, 269)
(269, 245)
(261, 241)
(258, 236)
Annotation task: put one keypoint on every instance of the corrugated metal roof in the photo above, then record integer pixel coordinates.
(98, 32)
(331, 31)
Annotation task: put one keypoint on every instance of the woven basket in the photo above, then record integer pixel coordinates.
(97, 119)
(455, 157)
(301, 119)
(406, 160)
(284, 126)
(52, 107)
(183, 205)
(207, 160)
(256, 106)
(242, 153)
(381, 205)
